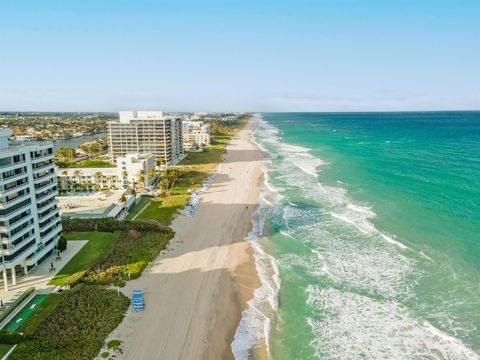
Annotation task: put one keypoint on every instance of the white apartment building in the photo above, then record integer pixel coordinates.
(195, 132)
(146, 132)
(30, 223)
(133, 170)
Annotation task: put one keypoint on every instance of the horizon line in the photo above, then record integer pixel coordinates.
(251, 112)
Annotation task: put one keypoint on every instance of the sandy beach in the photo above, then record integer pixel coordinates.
(196, 290)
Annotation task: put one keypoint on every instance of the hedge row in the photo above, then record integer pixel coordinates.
(77, 327)
(10, 338)
(111, 225)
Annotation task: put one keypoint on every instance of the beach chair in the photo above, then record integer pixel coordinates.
(137, 300)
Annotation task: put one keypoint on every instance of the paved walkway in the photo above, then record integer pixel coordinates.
(41, 275)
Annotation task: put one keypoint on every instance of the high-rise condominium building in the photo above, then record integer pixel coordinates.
(29, 218)
(146, 132)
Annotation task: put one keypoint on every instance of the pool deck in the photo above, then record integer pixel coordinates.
(41, 275)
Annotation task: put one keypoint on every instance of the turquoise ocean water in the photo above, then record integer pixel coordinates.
(367, 238)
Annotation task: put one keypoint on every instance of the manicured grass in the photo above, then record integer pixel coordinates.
(99, 244)
(4, 348)
(144, 201)
(41, 310)
(164, 210)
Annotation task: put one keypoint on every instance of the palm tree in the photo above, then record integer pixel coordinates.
(163, 185)
(141, 178)
(171, 176)
(123, 199)
(77, 173)
(151, 175)
(160, 161)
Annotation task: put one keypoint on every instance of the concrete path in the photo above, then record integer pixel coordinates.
(41, 275)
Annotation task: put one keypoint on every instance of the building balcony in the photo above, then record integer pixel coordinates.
(47, 205)
(43, 167)
(17, 260)
(14, 189)
(57, 230)
(11, 249)
(54, 210)
(45, 187)
(50, 224)
(15, 213)
(42, 157)
(12, 165)
(14, 177)
(18, 199)
(18, 235)
(49, 221)
(41, 251)
(44, 197)
(45, 177)
(17, 222)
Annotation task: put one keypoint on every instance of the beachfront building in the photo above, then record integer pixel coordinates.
(195, 133)
(29, 217)
(146, 132)
(132, 171)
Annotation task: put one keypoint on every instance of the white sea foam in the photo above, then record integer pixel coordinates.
(352, 326)
(352, 261)
(390, 240)
(254, 327)
(301, 158)
(343, 208)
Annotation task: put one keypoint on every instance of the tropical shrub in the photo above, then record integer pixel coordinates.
(77, 327)
(10, 338)
(62, 243)
(111, 225)
(130, 255)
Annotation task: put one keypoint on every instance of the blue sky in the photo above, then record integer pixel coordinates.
(336, 55)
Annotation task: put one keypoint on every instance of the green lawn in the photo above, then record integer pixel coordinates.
(41, 310)
(164, 210)
(145, 200)
(99, 244)
(4, 348)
